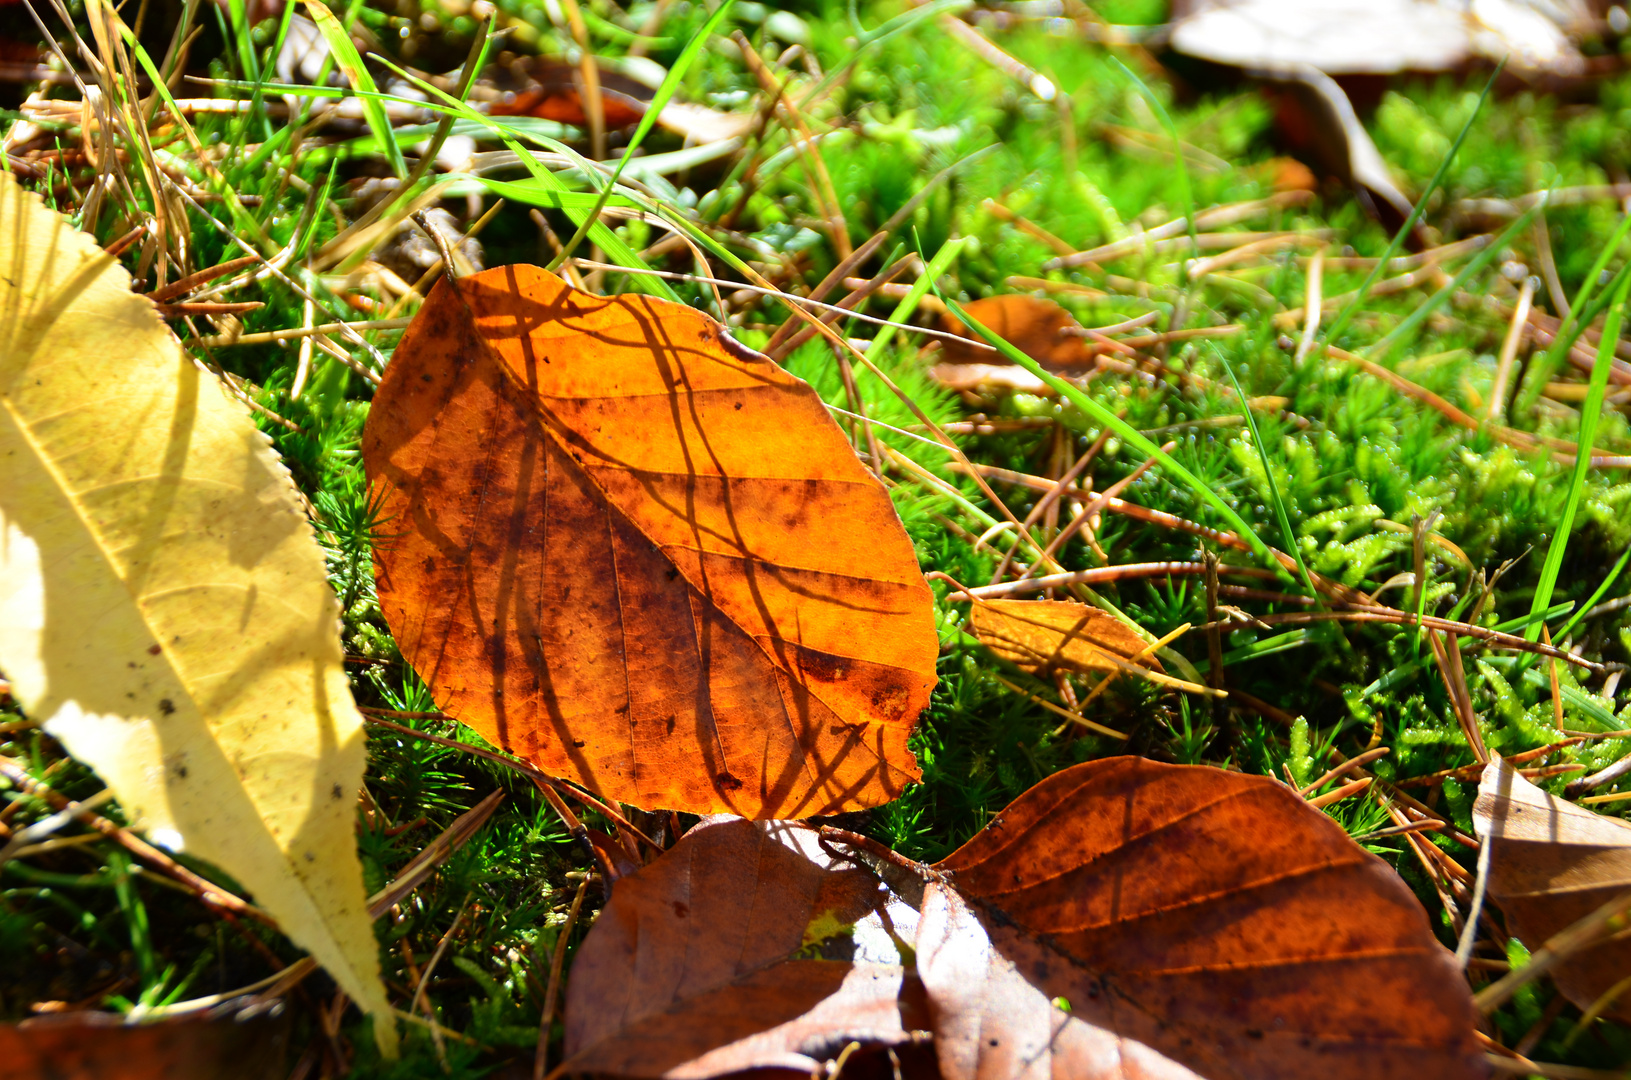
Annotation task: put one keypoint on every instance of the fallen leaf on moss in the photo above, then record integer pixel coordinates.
(1039, 328)
(1122, 920)
(105, 1046)
(1197, 922)
(164, 609)
(643, 556)
(1553, 863)
(738, 949)
(1040, 636)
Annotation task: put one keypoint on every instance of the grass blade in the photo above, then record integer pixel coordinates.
(1186, 195)
(1603, 587)
(1346, 315)
(920, 288)
(670, 84)
(547, 182)
(1589, 414)
(350, 62)
(1287, 536)
(1125, 431)
(1574, 323)
(1402, 333)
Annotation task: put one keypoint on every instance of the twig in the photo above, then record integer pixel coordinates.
(557, 961)
(211, 894)
(1581, 934)
(1351, 764)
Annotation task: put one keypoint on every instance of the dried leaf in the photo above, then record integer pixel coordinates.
(1039, 328)
(1313, 113)
(1197, 922)
(1552, 864)
(553, 90)
(1123, 919)
(1380, 37)
(103, 1046)
(711, 961)
(987, 378)
(163, 606)
(642, 556)
(1047, 635)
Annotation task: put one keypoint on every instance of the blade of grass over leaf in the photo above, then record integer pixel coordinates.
(920, 288)
(665, 92)
(1590, 413)
(351, 62)
(473, 65)
(1125, 431)
(1340, 323)
(547, 181)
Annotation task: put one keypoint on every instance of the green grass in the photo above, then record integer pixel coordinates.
(1335, 474)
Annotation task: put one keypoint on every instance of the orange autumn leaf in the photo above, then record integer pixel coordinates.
(1039, 328)
(1199, 923)
(1046, 635)
(642, 556)
(553, 90)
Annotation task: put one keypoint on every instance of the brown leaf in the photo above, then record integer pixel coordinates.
(1039, 328)
(553, 90)
(1552, 864)
(1313, 114)
(1198, 922)
(102, 1046)
(1195, 922)
(1047, 635)
(708, 961)
(642, 556)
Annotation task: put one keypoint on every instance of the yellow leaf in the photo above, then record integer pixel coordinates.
(1043, 635)
(163, 606)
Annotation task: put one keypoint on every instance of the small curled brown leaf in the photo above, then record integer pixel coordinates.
(1056, 635)
(737, 950)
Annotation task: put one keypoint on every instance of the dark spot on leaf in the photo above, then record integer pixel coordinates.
(167, 707)
(336, 792)
(727, 781)
(821, 666)
(1253, 1033)
(680, 910)
(738, 406)
(154, 650)
(577, 742)
(992, 1042)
